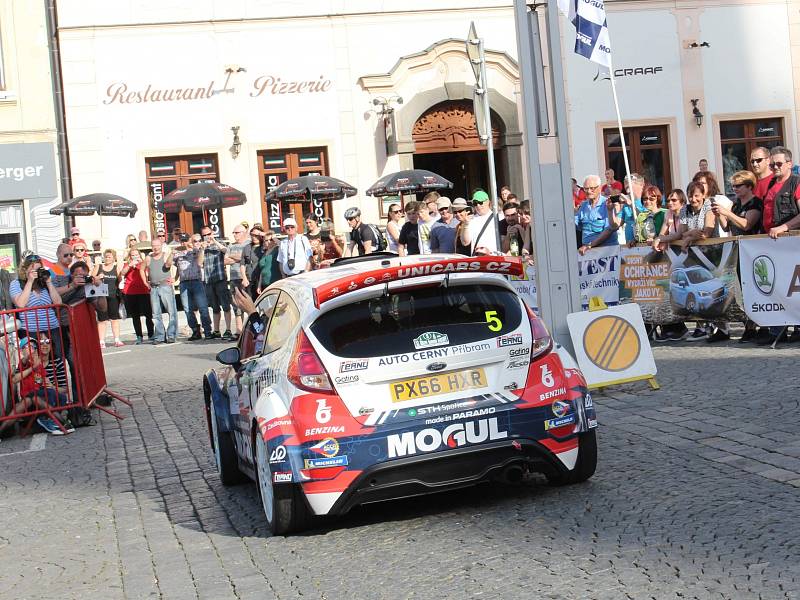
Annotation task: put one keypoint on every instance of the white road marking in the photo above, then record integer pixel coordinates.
(38, 442)
(113, 353)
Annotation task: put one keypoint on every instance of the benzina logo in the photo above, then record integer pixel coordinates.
(453, 436)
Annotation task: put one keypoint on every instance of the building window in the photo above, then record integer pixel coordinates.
(648, 154)
(165, 174)
(739, 138)
(277, 166)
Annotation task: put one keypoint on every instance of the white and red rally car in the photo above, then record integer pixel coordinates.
(384, 377)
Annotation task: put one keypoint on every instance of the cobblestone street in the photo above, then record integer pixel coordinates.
(695, 496)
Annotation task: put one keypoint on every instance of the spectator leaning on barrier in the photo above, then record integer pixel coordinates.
(759, 164)
(782, 197)
(650, 220)
(217, 291)
(594, 218)
(519, 238)
(156, 273)
(189, 261)
(699, 220)
(443, 232)
(744, 216)
(629, 201)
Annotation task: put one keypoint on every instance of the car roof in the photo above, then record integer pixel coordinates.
(301, 287)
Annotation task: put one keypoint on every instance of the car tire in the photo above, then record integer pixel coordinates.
(585, 465)
(691, 304)
(224, 449)
(284, 507)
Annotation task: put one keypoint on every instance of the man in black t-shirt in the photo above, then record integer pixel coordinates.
(408, 240)
(362, 235)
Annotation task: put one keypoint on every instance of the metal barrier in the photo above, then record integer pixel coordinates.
(44, 370)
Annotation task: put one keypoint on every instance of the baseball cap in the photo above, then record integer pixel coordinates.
(480, 196)
(289, 221)
(443, 202)
(74, 230)
(459, 204)
(184, 237)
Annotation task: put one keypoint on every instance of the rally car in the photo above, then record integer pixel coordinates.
(384, 377)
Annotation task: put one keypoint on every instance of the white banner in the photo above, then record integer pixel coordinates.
(770, 274)
(598, 273)
(526, 287)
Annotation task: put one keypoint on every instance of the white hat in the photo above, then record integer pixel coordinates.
(289, 221)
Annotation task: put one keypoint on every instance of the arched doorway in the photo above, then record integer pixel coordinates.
(446, 142)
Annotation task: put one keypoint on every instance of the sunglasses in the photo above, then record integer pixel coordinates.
(737, 185)
(75, 234)
(477, 202)
(391, 212)
(44, 340)
(292, 226)
(776, 165)
(673, 200)
(67, 255)
(756, 161)
(79, 250)
(460, 210)
(441, 210)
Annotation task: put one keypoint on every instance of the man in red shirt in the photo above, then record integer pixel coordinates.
(783, 182)
(611, 185)
(759, 164)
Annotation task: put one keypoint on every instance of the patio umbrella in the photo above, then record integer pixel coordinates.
(309, 186)
(202, 197)
(412, 181)
(106, 205)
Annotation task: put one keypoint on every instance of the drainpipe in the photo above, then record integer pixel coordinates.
(65, 181)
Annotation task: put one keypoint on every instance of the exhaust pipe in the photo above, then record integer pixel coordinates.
(513, 473)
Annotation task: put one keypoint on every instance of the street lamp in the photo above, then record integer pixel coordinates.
(698, 116)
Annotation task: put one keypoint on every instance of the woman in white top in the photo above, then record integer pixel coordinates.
(393, 226)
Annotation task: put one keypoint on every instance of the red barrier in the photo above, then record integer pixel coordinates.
(33, 360)
(33, 366)
(90, 372)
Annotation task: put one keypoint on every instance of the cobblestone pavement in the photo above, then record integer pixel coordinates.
(696, 496)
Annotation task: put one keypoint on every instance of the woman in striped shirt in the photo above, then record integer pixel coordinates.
(32, 291)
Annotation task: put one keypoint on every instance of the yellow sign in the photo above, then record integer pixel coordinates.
(434, 385)
(611, 343)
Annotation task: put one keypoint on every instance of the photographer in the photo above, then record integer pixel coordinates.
(32, 289)
(294, 251)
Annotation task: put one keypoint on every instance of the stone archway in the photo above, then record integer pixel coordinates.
(446, 141)
(442, 73)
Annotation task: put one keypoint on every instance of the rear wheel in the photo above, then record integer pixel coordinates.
(284, 507)
(587, 461)
(224, 450)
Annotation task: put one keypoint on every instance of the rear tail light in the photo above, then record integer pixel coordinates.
(542, 342)
(305, 368)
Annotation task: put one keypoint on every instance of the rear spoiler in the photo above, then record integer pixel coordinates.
(503, 265)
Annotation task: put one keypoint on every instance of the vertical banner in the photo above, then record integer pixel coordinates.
(598, 273)
(526, 287)
(770, 272)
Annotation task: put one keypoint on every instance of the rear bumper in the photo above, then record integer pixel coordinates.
(446, 470)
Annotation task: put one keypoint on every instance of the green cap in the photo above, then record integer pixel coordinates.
(480, 196)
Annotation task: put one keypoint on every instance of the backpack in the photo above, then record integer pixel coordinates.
(381, 244)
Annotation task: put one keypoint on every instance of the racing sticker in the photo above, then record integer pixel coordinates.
(454, 410)
(454, 435)
(431, 339)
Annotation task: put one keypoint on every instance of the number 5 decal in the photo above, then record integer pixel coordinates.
(547, 376)
(323, 411)
(494, 323)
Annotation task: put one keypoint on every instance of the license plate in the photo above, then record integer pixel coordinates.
(434, 385)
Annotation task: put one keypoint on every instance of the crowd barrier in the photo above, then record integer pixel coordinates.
(71, 373)
(720, 279)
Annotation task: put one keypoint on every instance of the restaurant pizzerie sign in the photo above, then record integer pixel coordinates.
(121, 92)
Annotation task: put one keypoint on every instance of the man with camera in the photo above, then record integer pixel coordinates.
(294, 251)
(189, 262)
(217, 291)
(595, 217)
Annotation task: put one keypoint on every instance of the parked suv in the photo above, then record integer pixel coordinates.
(384, 377)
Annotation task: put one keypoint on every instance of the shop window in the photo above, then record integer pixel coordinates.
(740, 138)
(277, 166)
(648, 154)
(165, 174)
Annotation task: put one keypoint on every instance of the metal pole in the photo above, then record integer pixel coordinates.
(487, 119)
(549, 185)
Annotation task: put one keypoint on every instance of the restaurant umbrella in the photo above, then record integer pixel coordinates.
(106, 205)
(310, 186)
(412, 181)
(204, 196)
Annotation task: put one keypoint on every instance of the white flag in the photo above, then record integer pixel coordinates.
(591, 30)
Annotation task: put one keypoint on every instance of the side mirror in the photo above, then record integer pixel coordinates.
(229, 356)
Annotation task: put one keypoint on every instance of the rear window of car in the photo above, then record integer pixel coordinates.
(391, 324)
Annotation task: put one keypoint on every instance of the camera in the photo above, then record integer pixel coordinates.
(290, 264)
(42, 275)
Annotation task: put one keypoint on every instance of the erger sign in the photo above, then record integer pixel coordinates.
(452, 436)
